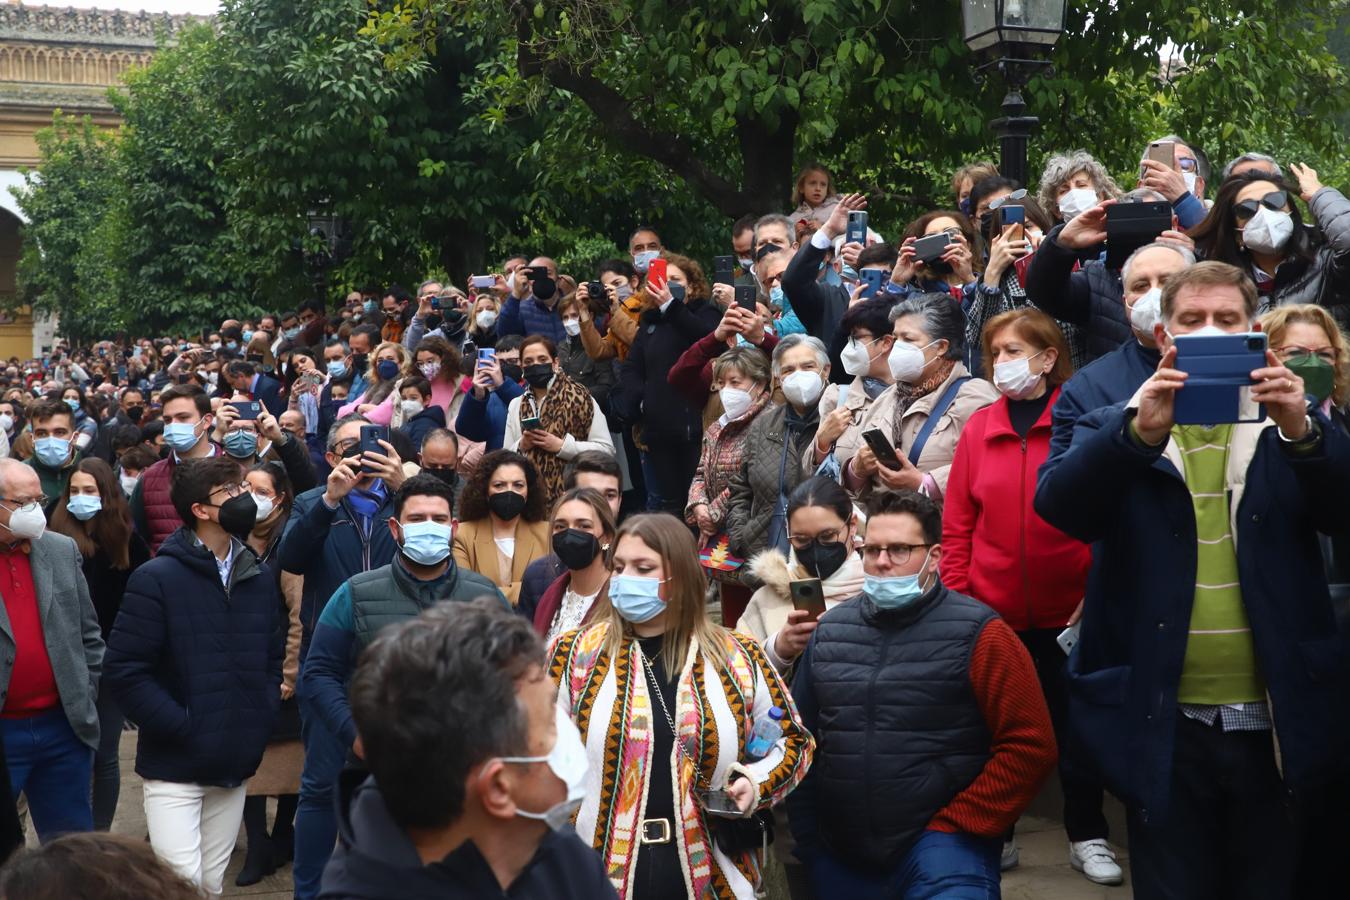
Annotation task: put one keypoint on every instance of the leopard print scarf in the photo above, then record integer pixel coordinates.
(567, 409)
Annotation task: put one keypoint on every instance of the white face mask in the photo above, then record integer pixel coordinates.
(1147, 311)
(485, 319)
(803, 388)
(572, 326)
(28, 522)
(1268, 231)
(735, 401)
(907, 361)
(411, 407)
(1189, 178)
(128, 483)
(856, 358)
(6, 421)
(1076, 202)
(1016, 379)
(567, 760)
(265, 506)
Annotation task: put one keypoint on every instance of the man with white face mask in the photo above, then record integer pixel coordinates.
(1115, 377)
(474, 770)
(1205, 543)
(1183, 183)
(51, 660)
(1068, 277)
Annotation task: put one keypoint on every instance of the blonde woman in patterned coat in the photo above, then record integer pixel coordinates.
(642, 810)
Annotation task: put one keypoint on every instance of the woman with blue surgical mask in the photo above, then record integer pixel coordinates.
(654, 673)
(86, 425)
(1256, 225)
(93, 512)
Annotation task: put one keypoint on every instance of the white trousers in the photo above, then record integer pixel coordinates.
(193, 828)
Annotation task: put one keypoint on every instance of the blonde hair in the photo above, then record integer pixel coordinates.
(686, 615)
(404, 362)
(1278, 320)
(799, 190)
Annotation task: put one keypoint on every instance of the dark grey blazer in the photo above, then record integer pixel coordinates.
(74, 643)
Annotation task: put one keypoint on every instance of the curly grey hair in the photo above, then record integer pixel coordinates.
(1060, 167)
(942, 320)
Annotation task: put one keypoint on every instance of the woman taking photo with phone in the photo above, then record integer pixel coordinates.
(583, 533)
(681, 697)
(502, 527)
(94, 514)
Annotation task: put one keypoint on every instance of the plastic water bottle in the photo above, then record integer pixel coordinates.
(768, 729)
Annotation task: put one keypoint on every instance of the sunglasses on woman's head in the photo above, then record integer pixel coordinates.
(1019, 194)
(1274, 201)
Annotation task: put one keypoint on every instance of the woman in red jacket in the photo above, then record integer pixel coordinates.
(996, 549)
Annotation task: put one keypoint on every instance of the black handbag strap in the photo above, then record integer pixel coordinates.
(939, 409)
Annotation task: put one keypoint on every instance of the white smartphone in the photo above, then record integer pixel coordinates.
(1069, 637)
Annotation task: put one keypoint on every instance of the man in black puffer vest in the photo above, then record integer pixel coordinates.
(932, 734)
(421, 575)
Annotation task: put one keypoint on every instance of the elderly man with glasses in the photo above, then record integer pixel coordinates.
(51, 653)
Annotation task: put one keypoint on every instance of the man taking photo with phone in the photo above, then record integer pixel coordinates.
(1195, 659)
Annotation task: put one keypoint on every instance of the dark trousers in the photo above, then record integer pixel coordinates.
(107, 768)
(316, 815)
(1229, 833)
(668, 466)
(1083, 795)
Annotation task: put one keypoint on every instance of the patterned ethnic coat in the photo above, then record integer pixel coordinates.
(715, 712)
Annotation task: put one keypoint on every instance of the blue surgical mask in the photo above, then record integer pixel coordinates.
(677, 291)
(248, 336)
(52, 451)
(387, 369)
(636, 597)
(776, 296)
(337, 368)
(181, 436)
(426, 543)
(85, 506)
(644, 259)
(369, 307)
(74, 405)
(231, 345)
(965, 206)
(291, 333)
(895, 591)
(848, 273)
(241, 443)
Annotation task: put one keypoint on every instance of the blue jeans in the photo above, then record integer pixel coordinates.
(316, 815)
(939, 865)
(52, 767)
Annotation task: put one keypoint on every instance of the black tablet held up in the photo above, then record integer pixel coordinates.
(1130, 226)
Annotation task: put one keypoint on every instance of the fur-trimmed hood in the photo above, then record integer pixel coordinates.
(768, 608)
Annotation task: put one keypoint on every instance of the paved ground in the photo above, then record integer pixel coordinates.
(1043, 875)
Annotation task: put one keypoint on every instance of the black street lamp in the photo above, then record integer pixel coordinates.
(328, 245)
(1015, 35)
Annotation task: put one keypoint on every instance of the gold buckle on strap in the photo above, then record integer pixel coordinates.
(655, 831)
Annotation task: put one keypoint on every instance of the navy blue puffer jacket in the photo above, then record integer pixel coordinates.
(197, 665)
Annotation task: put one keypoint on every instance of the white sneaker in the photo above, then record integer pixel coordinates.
(1011, 856)
(1096, 860)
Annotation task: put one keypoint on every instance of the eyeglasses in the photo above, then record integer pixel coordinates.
(1288, 354)
(898, 553)
(1275, 201)
(1187, 164)
(40, 500)
(232, 490)
(1019, 194)
(802, 541)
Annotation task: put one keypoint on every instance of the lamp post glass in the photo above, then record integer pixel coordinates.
(1006, 24)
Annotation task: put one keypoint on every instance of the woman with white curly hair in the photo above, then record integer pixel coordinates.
(1074, 182)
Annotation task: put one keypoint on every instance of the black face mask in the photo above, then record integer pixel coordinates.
(434, 322)
(134, 413)
(512, 372)
(164, 451)
(823, 559)
(576, 549)
(452, 320)
(238, 515)
(506, 504)
(539, 374)
(444, 473)
(543, 288)
(359, 361)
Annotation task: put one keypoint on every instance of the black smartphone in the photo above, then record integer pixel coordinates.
(856, 232)
(1130, 226)
(719, 803)
(248, 409)
(882, 449)
(723, 266)
(371, 435)
(121, 373)
(808, 594)
(745, 297)
(874, 279)
(255, 358)
(929, 249)
(530, 424)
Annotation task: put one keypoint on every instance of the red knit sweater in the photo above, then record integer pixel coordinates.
(1022, 745)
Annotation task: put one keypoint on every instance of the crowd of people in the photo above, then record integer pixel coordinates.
(648, 579)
